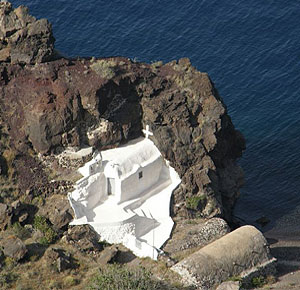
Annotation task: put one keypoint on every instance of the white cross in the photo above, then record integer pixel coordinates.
(147, 132)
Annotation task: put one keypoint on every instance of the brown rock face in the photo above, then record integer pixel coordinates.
(105, 102)
(58, 210)
(84, 238)
(58, 258)
(23, 39)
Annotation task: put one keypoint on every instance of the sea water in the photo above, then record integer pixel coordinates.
(250, 50)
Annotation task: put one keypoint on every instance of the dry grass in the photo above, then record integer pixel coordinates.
(105, 68)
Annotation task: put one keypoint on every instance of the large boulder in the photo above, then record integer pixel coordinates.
(229, 285)
(23, 39)
(58, 210)
(83, 237)
(59, 258)
(108, 255)
(13, 247)
(243, 252)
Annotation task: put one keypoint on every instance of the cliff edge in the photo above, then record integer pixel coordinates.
(48, 106)
(52, 107)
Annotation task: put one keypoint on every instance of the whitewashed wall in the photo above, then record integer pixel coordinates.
(90, 190)
(132, 186)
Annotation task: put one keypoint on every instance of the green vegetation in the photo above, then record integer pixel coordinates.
(6, 279)
(156, 65)
(235, 278)
(114, 277)
(195, 202)
(9, 263)
(104, 244)
(20, 231)
(41, 224)
(70, 281)
(258, 282)
(255, 282)
(105, 68)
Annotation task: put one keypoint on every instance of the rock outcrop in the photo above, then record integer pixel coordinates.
(60, 259)
(58, 210)
(23, 39)
(105, 102)
(190, 235)
(84, 238)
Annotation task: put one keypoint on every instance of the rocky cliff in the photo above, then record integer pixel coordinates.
(49, 104)
(23, 39)
(46, 106)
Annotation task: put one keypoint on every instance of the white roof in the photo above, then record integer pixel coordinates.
(128, 158)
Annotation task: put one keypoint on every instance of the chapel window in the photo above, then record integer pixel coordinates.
(140, 174)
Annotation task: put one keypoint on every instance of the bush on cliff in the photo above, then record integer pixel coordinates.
(41, 224)
(195, 202)
(104, 68)
(118, 277)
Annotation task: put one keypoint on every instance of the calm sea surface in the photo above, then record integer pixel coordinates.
(251, 50)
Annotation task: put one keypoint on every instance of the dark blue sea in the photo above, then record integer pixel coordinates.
(251, 50)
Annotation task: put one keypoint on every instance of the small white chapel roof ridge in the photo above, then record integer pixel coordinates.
(128, 158)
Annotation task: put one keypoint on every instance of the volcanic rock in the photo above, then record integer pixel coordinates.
(193, 235)
(58, 210)
(108, 255)
(13, 247)
(23, 39)
(58, 258)
(83, 237)
(105, 102)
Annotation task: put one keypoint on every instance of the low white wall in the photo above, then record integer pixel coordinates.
(132, 186)
(114, 234)
(140, 248)
(97, 191)
(90, 191)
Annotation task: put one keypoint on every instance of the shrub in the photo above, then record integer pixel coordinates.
(20, 231)
(258, 282)
(41, 224)
(104, 68)
(117, 277)
(235, 278)
(10, 263)
(194, 202)
(70, 281)
(6, 279)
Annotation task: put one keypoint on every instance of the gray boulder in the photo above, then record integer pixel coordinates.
(108, 255)
(58, 258)
(243, 252)
(229, 285)
(13, 247)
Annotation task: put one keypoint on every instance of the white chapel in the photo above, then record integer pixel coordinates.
(124, 195)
